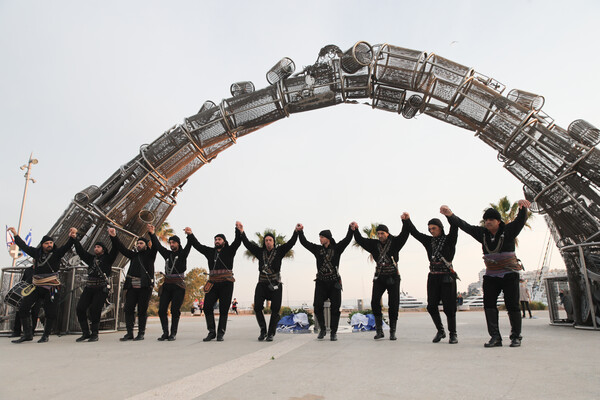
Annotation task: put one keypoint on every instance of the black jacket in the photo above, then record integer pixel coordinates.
(506, 233)
(316, 249)
(178, 257)
(98, 266)
(41, 263)
(141, 265)
(218, 259)
(280, 252)
(448, 249)
(371, 245)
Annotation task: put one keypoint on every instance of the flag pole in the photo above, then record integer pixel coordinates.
(32, 161)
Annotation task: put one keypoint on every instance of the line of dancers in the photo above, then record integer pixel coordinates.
(498, 246)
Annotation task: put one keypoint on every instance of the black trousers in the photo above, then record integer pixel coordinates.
(262, 294)
(174, 294)
(222, 291)
(91, 299)
(442, 287)
(141, 298)
(391, 283)
(49, 299)
(326, 290)
(525, 304)
(509, 284)
(35, 311)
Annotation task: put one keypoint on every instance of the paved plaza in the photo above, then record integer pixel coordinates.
(553, 363)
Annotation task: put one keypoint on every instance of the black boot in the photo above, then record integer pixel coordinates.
(379, 328)
(491, 318)
(220, 334)
(393, 329)
(163, 337)
(269, 338)
(84, 336)
(453, 338)
(47, 331)
(439, 335)
(515, 325)
(333, 336)
(322, 333)
(93, 337)
(141, 328)
(272, 326)
(27, 331)
(262, 324)
(210, 325)
(129, 322)
(263, 334)
(174, 327)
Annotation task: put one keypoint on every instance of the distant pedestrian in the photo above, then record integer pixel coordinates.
(524, 297)
(234, 305)
(459, 300)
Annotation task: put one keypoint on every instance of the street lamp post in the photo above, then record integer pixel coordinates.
(32, 161)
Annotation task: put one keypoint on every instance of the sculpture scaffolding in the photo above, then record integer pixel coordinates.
(559, 168)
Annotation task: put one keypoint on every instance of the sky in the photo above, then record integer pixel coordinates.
(84, 84)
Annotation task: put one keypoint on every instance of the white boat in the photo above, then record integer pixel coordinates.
(476, 301)
(407, 301)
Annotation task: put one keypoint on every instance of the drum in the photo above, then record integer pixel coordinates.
(17, 292)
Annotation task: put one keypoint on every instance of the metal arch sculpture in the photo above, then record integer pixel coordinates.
(559, 168)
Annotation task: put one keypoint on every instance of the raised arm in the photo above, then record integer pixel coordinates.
(363, 242)
(252, 247)
(476, 232)
(341, 246)
(452, 236)
(84, 255)
(62, 250)
(239, 228)
(514, 228)
(313, 248)
(204, 250)
(21, 243)
(421, 237)
(400, 240)
(116, 243)
(156, 243)
(287, 246)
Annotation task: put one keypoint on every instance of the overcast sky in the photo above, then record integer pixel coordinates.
(84, 84)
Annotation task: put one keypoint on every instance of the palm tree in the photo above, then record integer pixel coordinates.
(508, 211)
(164, 232)
(371, 233)
(279, 240)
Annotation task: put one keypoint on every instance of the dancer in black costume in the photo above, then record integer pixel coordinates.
(96, 288)
(441, 281)
(46, 265)
(220, 281)
(328, 283)
(139, 283)
(385, 251)
(502, 267)
(173, 288)
(269, 286)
